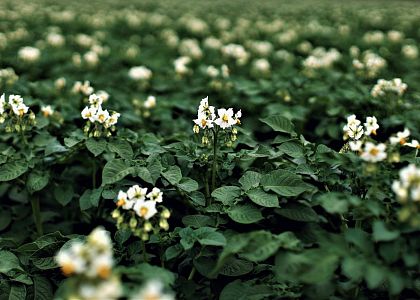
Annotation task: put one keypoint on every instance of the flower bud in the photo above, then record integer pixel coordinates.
(205, 140)
(163, 224)
(115, 213)
(196, 129)
(133, 223)
(165, 214)
(147, 227)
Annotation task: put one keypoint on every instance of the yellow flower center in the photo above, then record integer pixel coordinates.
(67, 268)
(403, 141)
(101, 118)
(104, 271)
(374, 151)
(143, 211)
(225, 118)
(151, 296)
(21, 112)
(120, 202)
(203, 122)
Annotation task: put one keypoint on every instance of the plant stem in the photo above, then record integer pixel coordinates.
(143, 248)
(358, 224)
(36, 212)
(214, 166)
(190, 277)
(93, 174)
(25, 141)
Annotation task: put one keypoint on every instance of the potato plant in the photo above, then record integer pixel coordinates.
(209, 150)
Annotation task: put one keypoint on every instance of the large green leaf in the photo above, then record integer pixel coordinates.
(284, 183)
(258, 196)
(12, 170)
(115, 170)
(279, 123)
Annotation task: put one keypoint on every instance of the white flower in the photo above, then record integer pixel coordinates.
(374, 153)
(55, 39)
(385, 87)
(202, 121)
(2, 104)
(15, 100)
(20, 109)
(102, 266)
(145, 209)
(155, 195)
(225, 119)
(150, 102)
(413, 144)
(89, 113)
(136, 192)
(399, 190)
(101, 115)
(140, 73)
(371, 126)
(152, 290)
(70, 262)
(353, 129)
(83, 88)
(29, 54)
(103, 95)
(400, 138)
(112, 120)
(123, 201)
(95, 100)
(409, 184)
(47, 110)
(356, 145)
(212, 71)
(100, 238)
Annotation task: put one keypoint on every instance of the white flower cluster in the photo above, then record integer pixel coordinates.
(15, 103)
(140, 73)
(101, 119)
(181, 65)
(388, 87)
(321, 58)
(7, 77)
(29, 54)
(152, 290)
(79, 87)
(91, 260)
(190, 48)
(213, 72)
(369, 65)
(15, 114)
(408, 187)
(410, 51)
(368, 151)
(206, 117)
(401, 138)
(354, 130)
(237, 52)
(143, 203)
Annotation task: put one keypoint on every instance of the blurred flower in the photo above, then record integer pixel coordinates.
(374, 153)
(29, 54)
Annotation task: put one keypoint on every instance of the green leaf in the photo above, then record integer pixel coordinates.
(284, 183)
(155, 167)
(258, 196)
(43, 289)
(5, 218)
(382, 234)
(96, 146)
(198, 221)
(37, 181)
(144, 174)
(9, 262)
(145, 272)
(115, 170)
(90, 198)
(12, 170)
(279, 123)
(245, 214)
(236, 267)
(226, 194)
(17, 292)
(63, 194)
(374, 276)
(122, 148)
(173, 174)
(250, 180)
(187, 184)
(292, 149)
(298, 212)
(210, 237)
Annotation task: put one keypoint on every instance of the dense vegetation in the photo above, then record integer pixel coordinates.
(215, 150)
